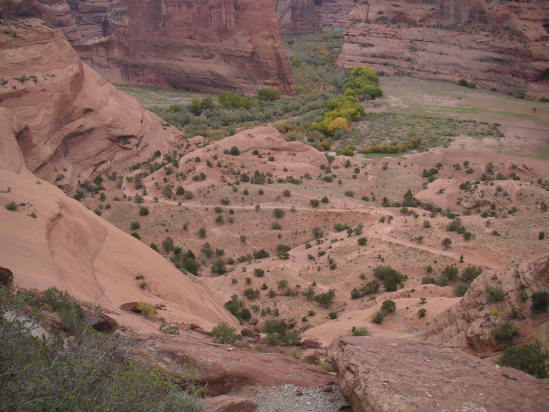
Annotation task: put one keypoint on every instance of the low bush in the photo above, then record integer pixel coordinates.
(527, 358)
(223, 333)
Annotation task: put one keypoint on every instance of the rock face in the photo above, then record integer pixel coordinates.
(53, 240)
(501, 45)
(54, 13)
(210, 46)
(469, 324)
(223, 371)
(377, 374)
(297, 17)
(75, 122)
(334, 12)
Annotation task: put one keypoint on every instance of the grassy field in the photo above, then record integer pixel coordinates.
(433, 111)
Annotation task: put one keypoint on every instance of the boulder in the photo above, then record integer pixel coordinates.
(389, 374)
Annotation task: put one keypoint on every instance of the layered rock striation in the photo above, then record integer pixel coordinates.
(502, 45)
(209, 46)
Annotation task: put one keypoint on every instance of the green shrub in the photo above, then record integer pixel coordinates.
(470, 273)
(332, 315)
(391, 278)
(388, 306)
(282, 251)
(359, 331)
(421, 313)
(278, 213)
(505, 333)
(378, 317)
(494, 294)
(325, 299)
(134, 225)
(94, 371)
(232, 100)
(236, 307)
(527, 358)
(268, 94)
(461, 289)
(12, 207)
(540, 301)
(143, 211)
(223, 333)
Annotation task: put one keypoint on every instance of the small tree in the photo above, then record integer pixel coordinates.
(278, 213)
(446, 243)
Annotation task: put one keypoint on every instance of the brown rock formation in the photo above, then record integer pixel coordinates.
(297, 17)
(75, 123)
(380, 374)
(210, 46)
(469, 324)
(501, 45)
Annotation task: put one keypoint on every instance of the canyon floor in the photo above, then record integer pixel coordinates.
(240, 217)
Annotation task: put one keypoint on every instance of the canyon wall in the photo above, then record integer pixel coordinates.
(297, 17)
(212, 46)
(334, 12)
(502, 45)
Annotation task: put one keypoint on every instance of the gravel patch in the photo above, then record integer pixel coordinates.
(292, 398)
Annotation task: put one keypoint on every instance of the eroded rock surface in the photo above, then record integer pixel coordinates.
(501, 45)
(227, 369)
(379, 374)
(73, 122)
(470, 323)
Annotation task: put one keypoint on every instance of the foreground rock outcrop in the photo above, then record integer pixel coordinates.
(378, 374)
(224, 369)
(74, 122)
(210, 46)
(502, 45)
(469, 324)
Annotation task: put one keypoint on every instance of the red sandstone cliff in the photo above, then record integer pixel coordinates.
(501, 45)
(297, 17)
(210, 46)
